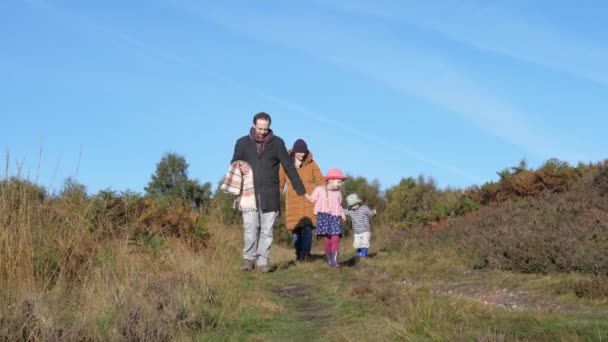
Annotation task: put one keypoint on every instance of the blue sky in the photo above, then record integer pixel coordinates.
(456, 90)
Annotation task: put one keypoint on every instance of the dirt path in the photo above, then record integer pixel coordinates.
(472, 285)
(306, 307)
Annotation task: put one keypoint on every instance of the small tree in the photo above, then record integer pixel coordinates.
(198, 194)
(73, 189)
(369, 192)
(171, 182)
(412, 201)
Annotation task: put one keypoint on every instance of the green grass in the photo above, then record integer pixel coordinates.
(366, 303)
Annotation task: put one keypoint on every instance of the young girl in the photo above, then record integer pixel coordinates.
(328, 209)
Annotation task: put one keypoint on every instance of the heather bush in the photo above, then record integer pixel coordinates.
(600, 179)
(520, 181)
(552, 232)
(553, 219)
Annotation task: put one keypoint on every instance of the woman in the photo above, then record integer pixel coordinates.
(299, 217)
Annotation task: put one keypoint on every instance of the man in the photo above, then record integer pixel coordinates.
(263, 151)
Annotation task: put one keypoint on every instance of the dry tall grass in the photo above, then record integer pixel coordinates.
(79, 268)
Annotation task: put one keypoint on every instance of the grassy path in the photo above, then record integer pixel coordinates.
(363, 302)
(313, 303)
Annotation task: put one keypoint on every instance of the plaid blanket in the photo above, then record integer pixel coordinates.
(241, 185)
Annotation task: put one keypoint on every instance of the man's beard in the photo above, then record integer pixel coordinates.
(260, 137)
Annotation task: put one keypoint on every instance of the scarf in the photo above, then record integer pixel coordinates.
(261, 145)
(241, 185)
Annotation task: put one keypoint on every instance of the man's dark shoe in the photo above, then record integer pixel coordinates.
(264, 269)
(247, 265)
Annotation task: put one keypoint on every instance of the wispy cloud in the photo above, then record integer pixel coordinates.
(373, 52)
(489, 27)
(377, 141)
(157, 52)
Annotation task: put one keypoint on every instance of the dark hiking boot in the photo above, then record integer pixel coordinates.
(247, 265)
(264, 268)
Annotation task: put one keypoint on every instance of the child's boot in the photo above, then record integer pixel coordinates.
(359, 252)
(330, 259)
(335, 260)
(363, 252)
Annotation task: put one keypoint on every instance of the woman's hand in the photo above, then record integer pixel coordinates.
(374, 212)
